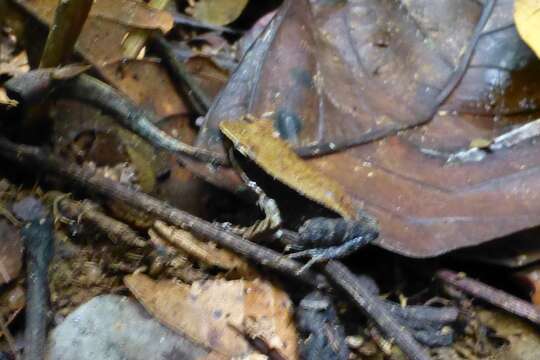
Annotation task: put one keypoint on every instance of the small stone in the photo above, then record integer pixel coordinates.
(115, 327)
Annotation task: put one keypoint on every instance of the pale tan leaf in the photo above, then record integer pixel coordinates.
(207, 311)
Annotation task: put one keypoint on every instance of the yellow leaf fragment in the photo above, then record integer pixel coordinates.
(208, 311)
(527, 19)
(258, 141)
(480, 143)
(217, 12)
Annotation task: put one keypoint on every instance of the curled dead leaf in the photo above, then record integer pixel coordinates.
(205, 310)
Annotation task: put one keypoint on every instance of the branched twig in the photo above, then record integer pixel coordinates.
(491, 295)
(36, 84)
(115, 230)
(426, 323)
(373, 307)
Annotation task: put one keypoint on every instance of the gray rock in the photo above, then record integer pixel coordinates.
(111, 327)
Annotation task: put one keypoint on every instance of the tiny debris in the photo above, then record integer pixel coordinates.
(11, 252)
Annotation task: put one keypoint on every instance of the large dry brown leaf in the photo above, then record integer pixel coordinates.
(148, 84)
(344, 77)
(206, 310)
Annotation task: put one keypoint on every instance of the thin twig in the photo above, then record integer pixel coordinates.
(5, 212)
(38, 235)
(373, 307)
(68, 22)
(115, 230)
(491, 295)
(428, 324)
(195, 95)
(35, 85)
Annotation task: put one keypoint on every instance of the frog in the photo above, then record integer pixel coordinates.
(329, 227)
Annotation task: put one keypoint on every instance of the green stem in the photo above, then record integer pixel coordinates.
(69, 19)
(137, 38)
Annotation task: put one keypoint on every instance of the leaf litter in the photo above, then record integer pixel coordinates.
(405, 110)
